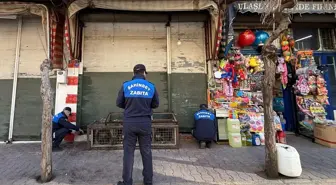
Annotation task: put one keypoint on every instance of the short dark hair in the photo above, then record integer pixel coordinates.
(139, 72)
(203, 106)
(139, 69)
(68, 109)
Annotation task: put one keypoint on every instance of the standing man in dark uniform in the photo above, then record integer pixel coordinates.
(137, 97)
(205, 126)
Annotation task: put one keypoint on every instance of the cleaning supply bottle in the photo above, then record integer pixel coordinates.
(248, 139)
(256, 141)
(262, 138)
(281, 137)
(243, 138)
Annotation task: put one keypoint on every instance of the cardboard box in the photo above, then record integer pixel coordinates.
(325, 135)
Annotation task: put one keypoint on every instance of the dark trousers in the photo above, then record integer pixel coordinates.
(202, 139)
(59, 135)
(143, 133)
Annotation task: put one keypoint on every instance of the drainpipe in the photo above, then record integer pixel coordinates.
(16, 72)
(169, 65)
(48, 31)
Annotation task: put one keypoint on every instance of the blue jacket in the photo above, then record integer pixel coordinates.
(60, 120)
(205, 125)
(138, 97)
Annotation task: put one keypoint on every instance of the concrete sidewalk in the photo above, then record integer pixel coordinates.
(19, 164)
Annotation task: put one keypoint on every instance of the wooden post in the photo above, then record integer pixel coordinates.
(47, 98)
(271, 163)
(269, 56)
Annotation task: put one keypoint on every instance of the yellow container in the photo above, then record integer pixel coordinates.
(233, 125)
(235, 140)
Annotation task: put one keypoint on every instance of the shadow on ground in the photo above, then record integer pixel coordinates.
(187, 165)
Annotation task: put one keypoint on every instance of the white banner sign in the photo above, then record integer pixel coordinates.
(301, 7)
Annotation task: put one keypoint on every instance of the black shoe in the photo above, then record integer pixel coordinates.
(208, 144)
(57, 149)
(202, 145)
(120, 183)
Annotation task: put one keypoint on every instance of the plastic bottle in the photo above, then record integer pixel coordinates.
(262, 138)
(283, 122)
(248, 139)
(281, 137)
(256, 141)
(243, 138)
(235, 140)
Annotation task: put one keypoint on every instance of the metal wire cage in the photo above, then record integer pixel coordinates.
(107, 133)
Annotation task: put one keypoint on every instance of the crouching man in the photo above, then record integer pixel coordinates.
(61, 127)
(205, 127)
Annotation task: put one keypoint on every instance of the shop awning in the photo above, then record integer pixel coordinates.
(300, 8)
(140, 5)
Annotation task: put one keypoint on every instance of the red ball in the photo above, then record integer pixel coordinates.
(246, 38)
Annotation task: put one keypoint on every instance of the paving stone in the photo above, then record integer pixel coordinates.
(220, 165)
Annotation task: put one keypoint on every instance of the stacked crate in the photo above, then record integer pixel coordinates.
(234, 133)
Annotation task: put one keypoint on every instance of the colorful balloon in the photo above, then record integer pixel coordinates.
(261, 37)
(246, 38)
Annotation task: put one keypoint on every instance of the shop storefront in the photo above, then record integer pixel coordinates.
(171, 42)
(111, 49)
(23, 46)
(235, 85)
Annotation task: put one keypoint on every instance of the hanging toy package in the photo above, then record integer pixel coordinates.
(302, 85)
(312, 84)
(321, 86)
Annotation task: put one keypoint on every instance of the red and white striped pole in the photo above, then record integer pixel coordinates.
(72, 77)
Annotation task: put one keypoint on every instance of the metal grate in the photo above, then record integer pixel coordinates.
(328, 38)
(107, 133)
(107, 136)
(101, 135)
(163, 135)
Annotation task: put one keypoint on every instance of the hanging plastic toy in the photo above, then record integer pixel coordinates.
(222, 64)
(241, 74)
(282, 69)
(253, 64)
(287, 45)
(229, 78)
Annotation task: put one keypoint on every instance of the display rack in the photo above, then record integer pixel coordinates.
(311, 94)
